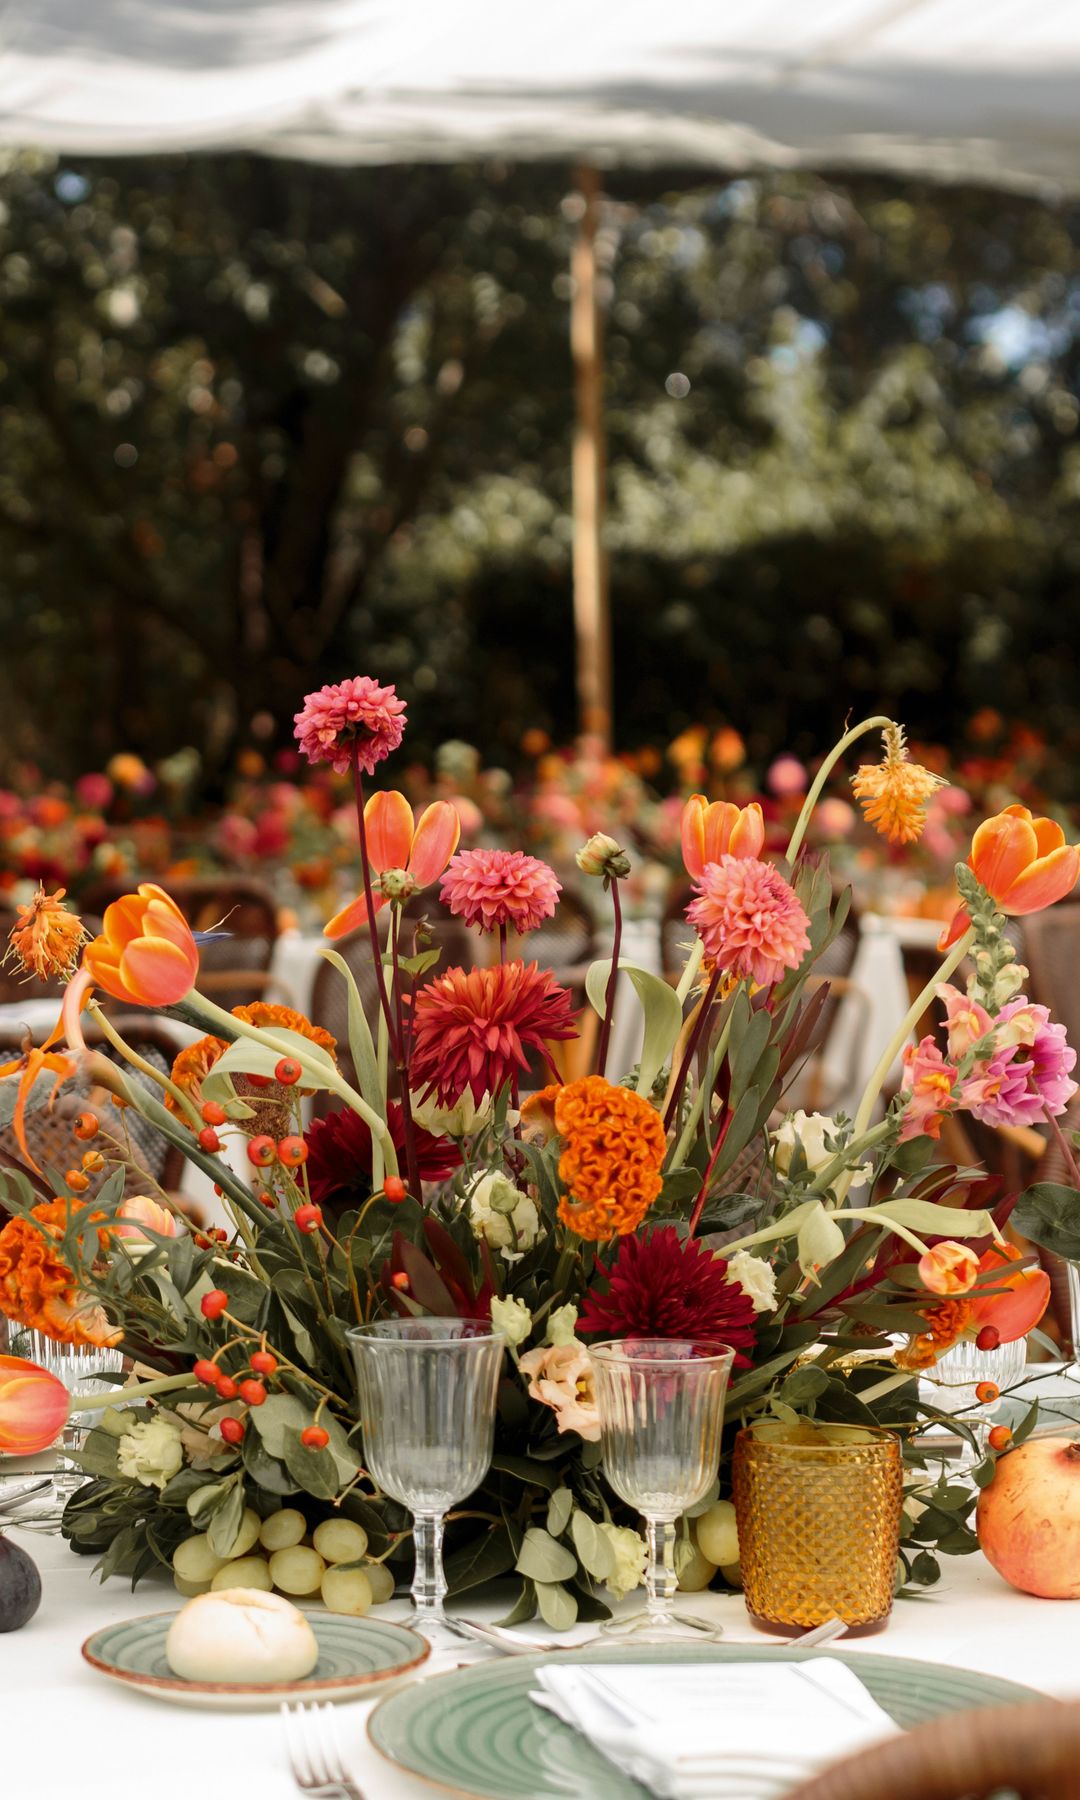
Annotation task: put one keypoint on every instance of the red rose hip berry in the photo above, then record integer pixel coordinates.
(213, 1304)
(394, 1189)
(291, 1152)
(287, 1071)
(209, 1140)
(205, 1371)
(262, 1151)
(308, 1218)
(989, 1338)
(314, 1437)
(252, 1392)
(264, 1362)
(232, 1430)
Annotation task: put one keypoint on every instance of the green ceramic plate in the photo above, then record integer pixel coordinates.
(355, 1656)
(477, 1734)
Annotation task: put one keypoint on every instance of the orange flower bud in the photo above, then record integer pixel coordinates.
(948, 1268)
(147, 954)
(720, 829)
(1023, 863)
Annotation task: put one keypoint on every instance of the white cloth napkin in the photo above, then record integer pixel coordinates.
(738, 1730)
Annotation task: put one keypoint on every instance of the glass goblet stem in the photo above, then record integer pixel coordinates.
(661, 1582)
(429, 1582)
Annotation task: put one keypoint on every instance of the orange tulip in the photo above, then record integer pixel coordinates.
(710, 831)
(147, 954)
(1026, 1297)
(33, 1407)
(1024, 863)
(421, 848)
(948, 1268)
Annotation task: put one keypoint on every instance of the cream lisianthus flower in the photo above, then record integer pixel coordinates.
(631, 1557)
(561, 1376)
(500, 1213)
(756, 1277)
(562, 1325)
(513, 1319)
(809, 1130)
(150, 1452)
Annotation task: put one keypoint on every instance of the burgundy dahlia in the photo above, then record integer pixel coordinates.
(339, 1160)
(660, 1287)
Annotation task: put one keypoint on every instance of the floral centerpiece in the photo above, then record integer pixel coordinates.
(461, 1172)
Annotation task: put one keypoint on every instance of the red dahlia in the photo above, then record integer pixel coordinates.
(473, 1028)
(661, 1287)
(339, 1163)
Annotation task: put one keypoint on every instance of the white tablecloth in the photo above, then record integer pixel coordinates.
(68, 1731)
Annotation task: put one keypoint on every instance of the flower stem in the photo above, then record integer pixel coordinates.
(110, 1032)
(144, 1390)
(877, 723)
(899, 1039)
(412, 1161)
(369, 896)
(613, 981)
(690, 1052)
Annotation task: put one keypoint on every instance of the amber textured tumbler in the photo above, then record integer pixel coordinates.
(818, 1512)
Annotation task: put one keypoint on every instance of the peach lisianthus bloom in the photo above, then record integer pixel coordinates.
(710, 831)
(948, 1268)
(46, 939)
(146, 954)
(1024, 863)
(749, 919)
(561, 1376)
(420, 848)
(895, 792)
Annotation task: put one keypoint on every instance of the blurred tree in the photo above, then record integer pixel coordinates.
(262, 423)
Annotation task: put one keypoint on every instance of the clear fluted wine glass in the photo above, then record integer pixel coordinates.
(427, 1407)
(661, 1406)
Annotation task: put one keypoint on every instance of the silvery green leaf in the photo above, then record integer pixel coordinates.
(559, 1509)
(595, 1551)
(543, 1559)
(558, 1607)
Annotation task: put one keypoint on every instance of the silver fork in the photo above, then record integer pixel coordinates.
(311, 1741)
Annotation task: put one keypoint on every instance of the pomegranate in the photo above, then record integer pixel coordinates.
(1028, 1519)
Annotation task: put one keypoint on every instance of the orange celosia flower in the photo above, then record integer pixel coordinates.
(1023, 863)
(946, 1322)
(47, 938)
(147, 954)
(38, 1289)
(615, 1145)
(421, 849)
(720, 829)
(267, 1017)
(948, 1268)
(894, 792)
(191, 1067)
(34, 1407)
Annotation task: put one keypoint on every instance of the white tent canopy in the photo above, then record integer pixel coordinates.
(984, 90)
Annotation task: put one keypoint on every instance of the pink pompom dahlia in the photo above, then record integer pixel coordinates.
(491, 888)
(750, 921)
(472, 1028)
(346, 713)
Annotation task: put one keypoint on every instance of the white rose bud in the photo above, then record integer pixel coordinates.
(603, 856)
(513, 1319)
(503, 1215)
(562, 1325)
(150, 1452)
(631, 1556)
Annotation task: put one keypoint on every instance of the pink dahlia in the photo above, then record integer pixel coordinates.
(750, 921)
(660, 1287)
(472, 1027)
(490, 888)
(356, 711)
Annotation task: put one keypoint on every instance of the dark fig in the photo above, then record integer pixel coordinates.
(20, 1586)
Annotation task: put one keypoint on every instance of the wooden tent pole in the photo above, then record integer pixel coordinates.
(592, 616)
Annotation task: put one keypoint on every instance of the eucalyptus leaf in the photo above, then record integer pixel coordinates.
(558, 1513)
(485, 1559)
(558, 1607)
(523, 1609)
(1049, 1214)
(224, 1527)
(596, 1553)
(544, 1560)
